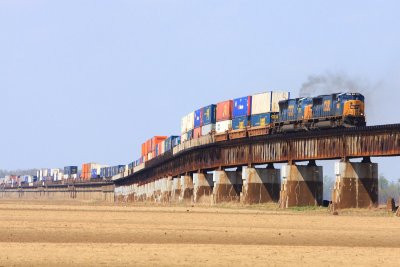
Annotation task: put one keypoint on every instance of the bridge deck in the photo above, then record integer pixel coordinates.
(206, 154)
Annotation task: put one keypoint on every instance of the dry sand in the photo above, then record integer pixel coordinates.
(44, 234)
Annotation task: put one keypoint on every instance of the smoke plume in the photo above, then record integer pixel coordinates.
(340, 82)
(333, 83)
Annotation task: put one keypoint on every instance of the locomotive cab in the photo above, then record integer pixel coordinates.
(351, 107)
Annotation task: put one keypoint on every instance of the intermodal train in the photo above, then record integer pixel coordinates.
(261, 114)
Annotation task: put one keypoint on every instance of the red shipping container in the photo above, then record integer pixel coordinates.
(224, 110)
(196, 132)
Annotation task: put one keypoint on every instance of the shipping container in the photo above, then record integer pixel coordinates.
(184, 124)
(263, 119)
(267, 102)
(170, 142)
(190, 121)
(209, 115)
(223, 126)
(276, 98)
(198, 118)
(184, 138)
(207, 129)
(224, 111)
(156, 140)
(240, 122)
(241, 107)
(261, 103)
(94, 174)
(69, 170)
(190, 135)
(197, 132)
(176, 141)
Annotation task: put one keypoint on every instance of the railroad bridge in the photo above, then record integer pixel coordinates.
(203, 170)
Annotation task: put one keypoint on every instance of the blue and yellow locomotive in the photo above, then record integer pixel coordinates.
(324, 111)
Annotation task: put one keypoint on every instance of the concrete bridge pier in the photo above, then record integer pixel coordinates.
(150, 189)
(227, 186)
(166, 188)
(139, 196)
(302, 185)
(176, 189)
(356, 184)
(202, 188)
(261, 185)
(186, 188)
(157, 190)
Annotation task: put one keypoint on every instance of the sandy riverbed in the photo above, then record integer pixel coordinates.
(45, 234)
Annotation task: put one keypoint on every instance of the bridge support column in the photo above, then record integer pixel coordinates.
(150, 188)
(157, 190)
(261, 185)
(227, 186)
(141, 194)
(176, 189)
(356, 185)
(202, 188)
(166, 189)
(186, 188)
(302, 185)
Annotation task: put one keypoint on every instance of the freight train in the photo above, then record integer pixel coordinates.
(261, 114)
(245, 117)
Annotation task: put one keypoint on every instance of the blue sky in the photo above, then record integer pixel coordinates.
(89, 81)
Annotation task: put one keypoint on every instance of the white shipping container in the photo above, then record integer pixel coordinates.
(184, 138)
(207, 129)
(184, 124)
(261, 103)
(223, 126)
(276, 97)
(162, 147)
(190, 122)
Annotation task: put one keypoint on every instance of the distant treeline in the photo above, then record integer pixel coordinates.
(388, 189)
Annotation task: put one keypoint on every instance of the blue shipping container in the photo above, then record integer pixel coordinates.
(240, 123)
(209, 115)
(69, 170)
(198, 118)
(94, 173)
(168, 144)
(263, 119)
(241, 107)
(189, 135)
(176, 141)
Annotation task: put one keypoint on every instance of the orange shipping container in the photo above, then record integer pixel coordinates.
(224, 110)
(156, 140)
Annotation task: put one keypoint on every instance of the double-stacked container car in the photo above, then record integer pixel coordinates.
(258, 114)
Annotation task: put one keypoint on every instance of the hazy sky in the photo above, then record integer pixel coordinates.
(89, 81)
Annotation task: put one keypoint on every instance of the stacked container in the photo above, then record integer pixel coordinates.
(187, 127)
(198, 120)
(241, 112)
(90, 170)
(224, 116)
(171, 142)
(70, 171)
(208, 119)
(265, 108)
